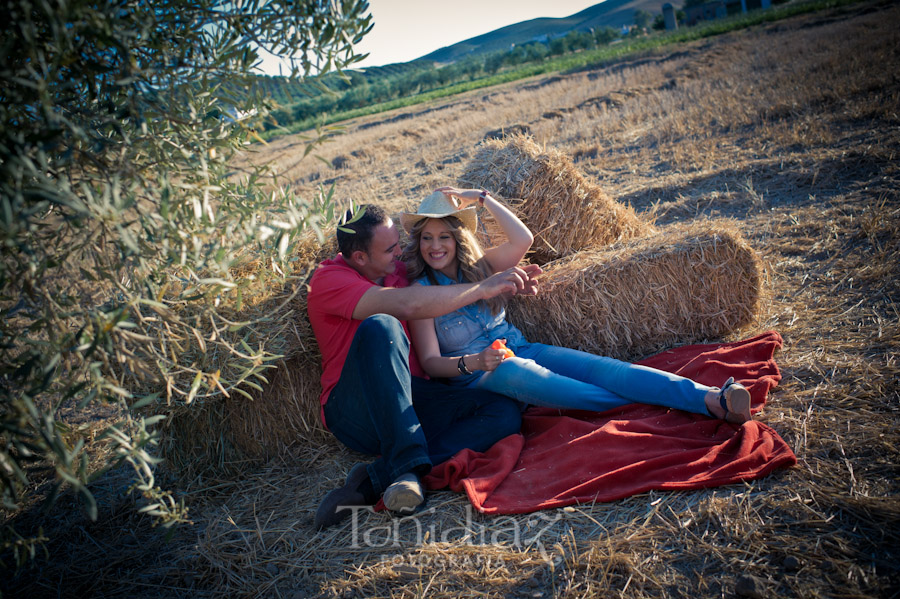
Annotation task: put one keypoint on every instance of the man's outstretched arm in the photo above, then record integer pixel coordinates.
(427, 301)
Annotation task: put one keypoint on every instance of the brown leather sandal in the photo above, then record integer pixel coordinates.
(735, 400)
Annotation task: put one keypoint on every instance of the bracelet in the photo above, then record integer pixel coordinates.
(461, 366)
(482, 196)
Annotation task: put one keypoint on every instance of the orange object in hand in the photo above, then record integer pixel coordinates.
(498, 344)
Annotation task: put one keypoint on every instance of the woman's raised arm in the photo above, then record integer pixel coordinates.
(519, 238)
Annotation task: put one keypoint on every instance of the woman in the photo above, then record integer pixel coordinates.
(443, 251)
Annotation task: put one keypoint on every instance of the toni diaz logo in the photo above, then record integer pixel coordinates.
(522, 534)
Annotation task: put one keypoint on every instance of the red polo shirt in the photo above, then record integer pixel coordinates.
(335, 289)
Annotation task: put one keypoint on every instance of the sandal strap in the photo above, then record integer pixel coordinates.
(722, 401)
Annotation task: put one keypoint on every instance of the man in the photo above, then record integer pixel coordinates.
(375, 397)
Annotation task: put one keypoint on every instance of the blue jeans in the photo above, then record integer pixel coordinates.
(378, 408)
(559, 377)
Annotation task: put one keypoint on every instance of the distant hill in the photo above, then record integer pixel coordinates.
(612, 13)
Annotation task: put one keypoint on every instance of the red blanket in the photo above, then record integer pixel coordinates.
(566, 457)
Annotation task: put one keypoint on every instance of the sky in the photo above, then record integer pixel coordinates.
(408, 29)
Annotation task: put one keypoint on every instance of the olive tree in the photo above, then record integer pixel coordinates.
(123, 230)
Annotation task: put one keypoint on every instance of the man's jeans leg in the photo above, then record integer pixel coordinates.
(370, 409)
(456, 418)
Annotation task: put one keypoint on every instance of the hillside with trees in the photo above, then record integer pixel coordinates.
(612, 14)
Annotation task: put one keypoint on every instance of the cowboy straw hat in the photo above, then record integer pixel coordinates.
(437, 205)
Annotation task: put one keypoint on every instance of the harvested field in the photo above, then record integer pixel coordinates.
(791, 132)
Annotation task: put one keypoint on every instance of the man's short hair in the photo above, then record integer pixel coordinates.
(363, 227)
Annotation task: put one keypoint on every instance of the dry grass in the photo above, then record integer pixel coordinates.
(792, 132)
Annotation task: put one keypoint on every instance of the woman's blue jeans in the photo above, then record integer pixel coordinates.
(559, 377)
(378, 408)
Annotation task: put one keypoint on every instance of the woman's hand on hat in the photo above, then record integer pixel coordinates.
(464, 197)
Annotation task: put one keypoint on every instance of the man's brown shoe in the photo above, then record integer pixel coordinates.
(335, 507)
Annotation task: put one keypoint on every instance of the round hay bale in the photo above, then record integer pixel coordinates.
(685, 284)
(565, 211)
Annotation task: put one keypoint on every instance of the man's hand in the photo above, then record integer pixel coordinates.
(531, 284)
(515, 280)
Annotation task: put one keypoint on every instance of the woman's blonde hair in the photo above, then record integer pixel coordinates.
(472, 264)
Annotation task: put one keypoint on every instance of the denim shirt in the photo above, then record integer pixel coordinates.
(471, 329)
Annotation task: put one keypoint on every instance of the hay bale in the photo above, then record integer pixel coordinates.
(490, 234)
(224, 433)
(565, 211)
(287, 409)
(687, 283)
